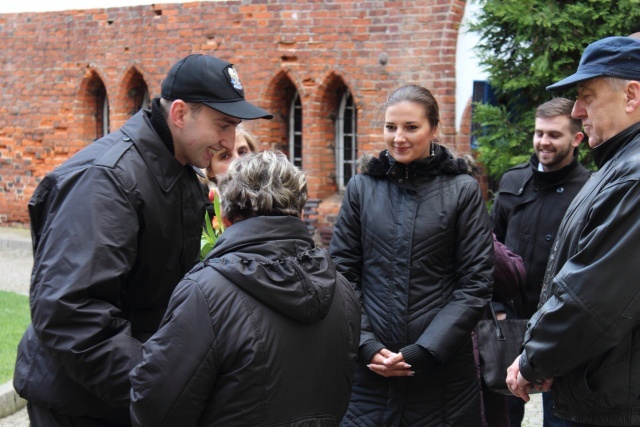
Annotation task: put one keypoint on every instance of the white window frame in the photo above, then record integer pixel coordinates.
(295, 107)
(105, 115)
(342, 157)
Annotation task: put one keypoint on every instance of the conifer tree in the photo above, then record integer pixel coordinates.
(526, 45)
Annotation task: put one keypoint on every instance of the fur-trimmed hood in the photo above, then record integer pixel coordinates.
(442, 162)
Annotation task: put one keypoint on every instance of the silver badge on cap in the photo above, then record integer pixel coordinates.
(235, 80)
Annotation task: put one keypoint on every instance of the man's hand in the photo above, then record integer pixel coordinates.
(516, 382)
(390, 364)
(519, 386)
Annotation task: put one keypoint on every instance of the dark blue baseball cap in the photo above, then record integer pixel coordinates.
(609, 57)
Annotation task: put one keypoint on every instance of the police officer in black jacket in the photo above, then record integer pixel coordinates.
(114, 229)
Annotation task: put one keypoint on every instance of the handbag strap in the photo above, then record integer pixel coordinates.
(496, 324)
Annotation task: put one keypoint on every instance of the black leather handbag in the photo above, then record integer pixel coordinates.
(499, 343)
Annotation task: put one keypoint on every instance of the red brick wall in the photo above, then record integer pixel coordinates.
(54, 64)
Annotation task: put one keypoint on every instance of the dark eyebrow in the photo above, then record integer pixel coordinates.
(406, 123)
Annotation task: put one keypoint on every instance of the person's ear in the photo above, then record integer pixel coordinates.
(632, 96)
(177, 113)
(226, 222)
(577, 139)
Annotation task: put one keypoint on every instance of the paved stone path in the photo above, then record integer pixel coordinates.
(533, 412)
(16, 262)
(19, 419)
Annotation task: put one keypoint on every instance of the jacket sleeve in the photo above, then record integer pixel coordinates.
(346, 251)
(474, 258)
(594, 302)
(179, 365)
(509, 273)
(499, 219)
(86, 245)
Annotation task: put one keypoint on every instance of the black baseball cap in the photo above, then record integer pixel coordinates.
(212, 82)
(608, 57)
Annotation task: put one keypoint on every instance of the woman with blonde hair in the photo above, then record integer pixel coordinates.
(245, 143)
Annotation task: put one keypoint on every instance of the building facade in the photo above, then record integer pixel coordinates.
(323, 68)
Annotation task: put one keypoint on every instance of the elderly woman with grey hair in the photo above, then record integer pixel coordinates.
(264, 331)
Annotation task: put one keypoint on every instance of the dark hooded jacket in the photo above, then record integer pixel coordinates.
(415, 242)
(586, 334)
(263, 332)
(114, 230)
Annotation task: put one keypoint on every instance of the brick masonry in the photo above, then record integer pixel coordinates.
(55, 64)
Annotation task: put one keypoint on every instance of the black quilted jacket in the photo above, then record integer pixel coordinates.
(415, 243)
(263, 332)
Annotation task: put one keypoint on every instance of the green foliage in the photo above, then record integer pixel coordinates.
(14, 318)
(506, 145)
(526, 45)
(213, 227)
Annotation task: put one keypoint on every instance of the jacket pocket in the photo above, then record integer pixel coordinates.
(604, 383)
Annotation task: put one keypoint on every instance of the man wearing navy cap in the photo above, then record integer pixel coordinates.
(584, 341)
(115, 228)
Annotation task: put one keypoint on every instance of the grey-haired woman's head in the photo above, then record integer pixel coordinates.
(262, 184)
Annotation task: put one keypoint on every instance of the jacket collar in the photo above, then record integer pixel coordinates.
(254, 232)
(552, 177)
(441, 162)
(160, 125)
(166, 170)
(605, 151)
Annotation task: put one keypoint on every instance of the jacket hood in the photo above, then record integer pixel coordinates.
(442, 162)
(275, 260)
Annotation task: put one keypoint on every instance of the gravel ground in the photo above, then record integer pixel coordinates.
(16, 260)
(19, 419)
(15, 268)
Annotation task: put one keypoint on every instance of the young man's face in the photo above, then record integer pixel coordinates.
(203, 134)
(601, 108)
(554, 142)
